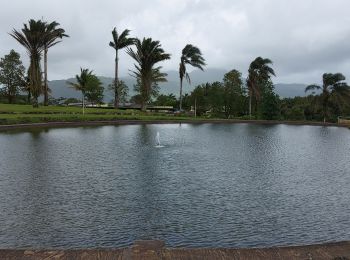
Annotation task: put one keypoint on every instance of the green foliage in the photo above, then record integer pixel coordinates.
(89, 85)
(136, 99)
(191, 55)
(148, 53)
(122, 90)
(94, 90)
(82, 80)
(234, 94)
(208, 98)
(259, 74)
(157, 77)
(11, 75)
(32, 37)
(166, 100)
(119, 42)
(219, 99)
(335, 94)
(53, 36)
(16, 114)
(270, 107)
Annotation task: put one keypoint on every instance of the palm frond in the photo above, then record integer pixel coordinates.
(312, 87)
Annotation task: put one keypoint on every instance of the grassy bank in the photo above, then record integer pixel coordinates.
(25, 114)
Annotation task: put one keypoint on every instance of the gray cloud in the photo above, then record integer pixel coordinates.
(304, 38)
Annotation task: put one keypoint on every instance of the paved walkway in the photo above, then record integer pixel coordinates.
(155, 250)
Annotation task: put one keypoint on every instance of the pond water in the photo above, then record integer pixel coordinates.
(207, 185)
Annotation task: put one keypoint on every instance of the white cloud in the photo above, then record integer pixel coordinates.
(304, 38)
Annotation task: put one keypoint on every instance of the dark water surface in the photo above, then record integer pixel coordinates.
(210, 185)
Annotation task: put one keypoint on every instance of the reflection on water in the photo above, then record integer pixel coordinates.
(210, 185)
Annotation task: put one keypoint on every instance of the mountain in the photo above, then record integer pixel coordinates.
(290, 90)
(60, 88)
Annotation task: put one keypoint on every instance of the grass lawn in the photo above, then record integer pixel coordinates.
(19, 114)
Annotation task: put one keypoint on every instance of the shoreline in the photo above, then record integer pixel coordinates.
(59, 124)
(155, 249)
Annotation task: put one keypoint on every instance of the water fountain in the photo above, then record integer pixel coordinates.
(158, 145)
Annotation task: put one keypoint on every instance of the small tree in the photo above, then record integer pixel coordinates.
(234, 94)
(11, 74)
(166, 100)
(269, 107)
(94, 90)
(83, 83)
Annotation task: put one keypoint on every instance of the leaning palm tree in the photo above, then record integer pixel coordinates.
(119, 42)
(52, 37)
(191, 55)
(82, 83)
(32, 37)
(333, 86)
(258, 74)
(148, 53)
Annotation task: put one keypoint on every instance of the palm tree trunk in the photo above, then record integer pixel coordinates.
(180, 94)
(116, 81)
(83, 101)
(325, 106)
(46, 87)
(250, 106)
(35, 78)
(195, 107)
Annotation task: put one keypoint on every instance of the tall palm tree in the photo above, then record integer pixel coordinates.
(148, 53)
(258, 74)
(32, 37)
(119, 42)
(191, 55)
(82, 83)
(333, 85)
(52, 37)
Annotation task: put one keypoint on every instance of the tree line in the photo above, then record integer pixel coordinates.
(38, 36)
(234, 97)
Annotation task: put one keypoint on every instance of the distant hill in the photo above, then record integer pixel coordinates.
(290, 90)
(60, 88)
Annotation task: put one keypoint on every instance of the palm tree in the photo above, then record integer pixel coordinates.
(52, 36)
(119, 42)
(157, 77)
(82, 83)
(193, 56)
(32, 37)
(147, 54)
(333, 86)
(258, 74)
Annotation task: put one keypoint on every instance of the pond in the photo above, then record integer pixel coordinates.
(208, 185)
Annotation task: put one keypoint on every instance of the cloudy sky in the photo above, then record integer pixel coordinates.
(304, 38)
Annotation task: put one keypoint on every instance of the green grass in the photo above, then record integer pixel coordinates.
(28, 109)
(21, 114)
